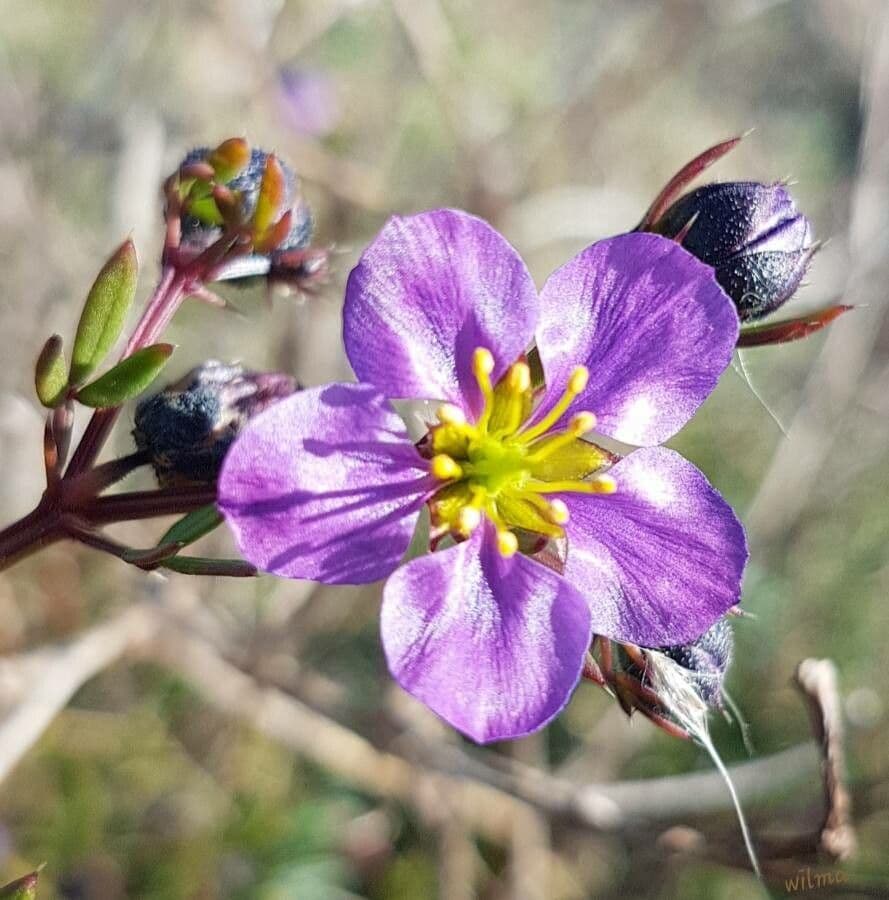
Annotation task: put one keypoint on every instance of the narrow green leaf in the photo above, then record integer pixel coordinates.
(200, 565)
(24, 888)
(50, 374)
(127, 379)
(193, 526)
(104, 312)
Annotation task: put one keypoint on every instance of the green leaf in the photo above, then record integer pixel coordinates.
(127, 379)
(193, 526)
(50, 374)
(200, 565)
(24, 888)
(104, 312)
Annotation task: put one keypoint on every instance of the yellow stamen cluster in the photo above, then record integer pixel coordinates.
(501, 466)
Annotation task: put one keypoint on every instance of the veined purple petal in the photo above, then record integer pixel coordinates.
(494, 646)
(325, 485)
(668, 541)
(428, 291)
(651, 324)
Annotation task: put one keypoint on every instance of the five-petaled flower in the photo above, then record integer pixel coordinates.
(632, 336)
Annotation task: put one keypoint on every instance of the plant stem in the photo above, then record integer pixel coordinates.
(36, 530)
(145, 504)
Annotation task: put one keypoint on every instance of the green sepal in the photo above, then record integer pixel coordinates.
(104, 312)
(193, 526)
(127, 379)
(51, 374)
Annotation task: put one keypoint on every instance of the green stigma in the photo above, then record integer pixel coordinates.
(503, 467)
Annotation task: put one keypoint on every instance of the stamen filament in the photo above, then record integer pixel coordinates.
(601, 484)
(554, 511)
(576, 385)
(482, 366)
(581, 424)
(518, 383)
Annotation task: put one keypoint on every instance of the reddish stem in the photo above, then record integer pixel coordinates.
(38, 529)
(145, 504)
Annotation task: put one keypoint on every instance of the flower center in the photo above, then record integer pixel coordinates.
(502, 466)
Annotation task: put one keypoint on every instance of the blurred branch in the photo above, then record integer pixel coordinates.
(488, 798)
(817, 680)
(63, 671)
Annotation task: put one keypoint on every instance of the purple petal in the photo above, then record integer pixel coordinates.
(670, 543)
(325, 485)
(651, 324)
(428, 291)
(494, 646)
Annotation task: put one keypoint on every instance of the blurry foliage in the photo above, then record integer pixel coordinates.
(558, 121)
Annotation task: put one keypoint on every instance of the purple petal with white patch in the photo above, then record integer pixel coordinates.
(325, 485)
(494, 646)
(652, 326)
(668, 544)
(428, 291)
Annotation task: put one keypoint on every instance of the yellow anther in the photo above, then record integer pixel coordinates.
(448, 414)
(482, 363)
(468, 519)
(558, 511)
(444, 468)
(604, 484)
(507, 543)
(576, 384)
(579, 379)
(519, 378)
(582, 423)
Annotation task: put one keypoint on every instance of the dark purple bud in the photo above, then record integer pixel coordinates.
(188, 427)
(707, 660)
(752, 234)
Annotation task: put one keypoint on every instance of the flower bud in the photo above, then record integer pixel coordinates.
(707, 660)
(199, 220)
(752, 234)
(188, 427)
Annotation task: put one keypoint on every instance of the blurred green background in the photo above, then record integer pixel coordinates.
(558, 121)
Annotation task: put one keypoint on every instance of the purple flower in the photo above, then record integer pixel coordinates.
(327, 485)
